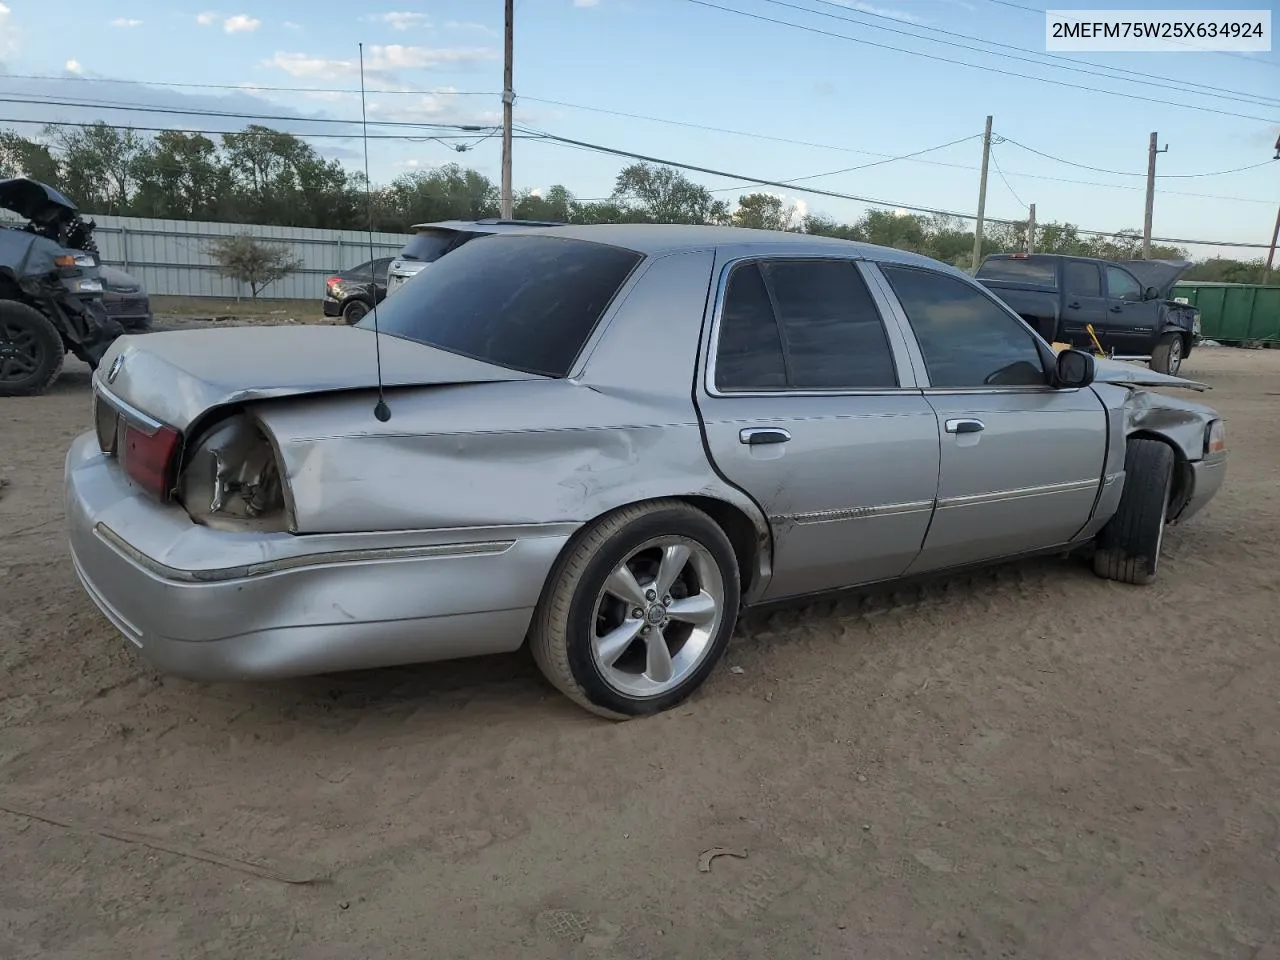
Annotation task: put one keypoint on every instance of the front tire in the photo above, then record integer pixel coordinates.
(638, 610)
(1128, 547)
(1167, 357)
(31, 350)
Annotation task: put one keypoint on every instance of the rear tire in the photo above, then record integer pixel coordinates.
(354, 312)
(638, 610)
(31, 350)
(1128, 547)
(1167, 357)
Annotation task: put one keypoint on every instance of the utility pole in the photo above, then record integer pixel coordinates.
(1031, 230)
(508, 99)
(982, 197)
(1275, 235)
(1151, 195)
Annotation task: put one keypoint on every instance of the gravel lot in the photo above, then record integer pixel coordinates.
(1024, 762)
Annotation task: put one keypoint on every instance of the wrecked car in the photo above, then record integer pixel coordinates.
(605, 441)
(50, 289)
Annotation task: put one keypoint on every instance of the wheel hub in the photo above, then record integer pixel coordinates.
(655, 615)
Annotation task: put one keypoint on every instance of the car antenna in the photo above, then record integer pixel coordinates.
(380, 409)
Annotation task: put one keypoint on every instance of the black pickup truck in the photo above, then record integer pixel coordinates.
(1127, 302)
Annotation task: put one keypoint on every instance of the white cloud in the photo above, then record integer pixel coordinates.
(241, 23)
(206, 19)
(8, 36)
(536, 192)
(401, 19)
(125, 22)
(73, 66)
(876, 11)
(290, 25)
(586, 3)
(469, 25)
(381, 59)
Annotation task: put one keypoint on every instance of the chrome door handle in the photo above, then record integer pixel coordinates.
(965, 426)
(758, 435)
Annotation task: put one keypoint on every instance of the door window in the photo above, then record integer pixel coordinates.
(802, 325)
(966, 339)
(1081, 279)
(1121, 285)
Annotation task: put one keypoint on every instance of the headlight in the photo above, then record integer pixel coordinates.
(231, 480)
(1215, 439)
(85, 260)
(88, 286)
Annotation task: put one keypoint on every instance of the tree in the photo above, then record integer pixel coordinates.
(100, 165)
(20, 157)
(245, 259)
(665, 195)
(763, 211)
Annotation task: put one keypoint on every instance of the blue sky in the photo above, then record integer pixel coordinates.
(827, 103)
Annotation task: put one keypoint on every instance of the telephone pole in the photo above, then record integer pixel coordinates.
(1031, 230)
(1151, 195)
(1275, 236)
(508, 99)
(982, 197)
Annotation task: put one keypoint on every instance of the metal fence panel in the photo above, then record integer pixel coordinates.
(171, 257)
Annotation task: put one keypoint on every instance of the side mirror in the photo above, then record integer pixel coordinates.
(1151, 293)
(1074, 369)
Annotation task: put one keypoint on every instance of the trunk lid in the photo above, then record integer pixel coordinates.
(175, 376)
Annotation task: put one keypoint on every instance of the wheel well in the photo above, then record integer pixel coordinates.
(741, 532)
(1182, 479)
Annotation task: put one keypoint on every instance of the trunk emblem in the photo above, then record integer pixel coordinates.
(114, 372)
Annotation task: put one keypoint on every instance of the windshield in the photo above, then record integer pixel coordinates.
(429, 245)
(528, 303)
(1038, 271)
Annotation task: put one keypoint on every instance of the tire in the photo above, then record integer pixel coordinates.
(579, 609)
(31, 350)
(1167, 357)
(354, 311)
(1128, 547)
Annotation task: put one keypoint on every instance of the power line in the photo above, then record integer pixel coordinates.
(245, 87)
(1127, 173)
(1073, 65)
(864, 166)
(1003, 179)
(974, 66)
(218, 133)
(184, 112)
(540, 135)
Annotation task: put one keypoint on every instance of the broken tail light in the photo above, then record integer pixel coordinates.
(148, 456)
(231, 479)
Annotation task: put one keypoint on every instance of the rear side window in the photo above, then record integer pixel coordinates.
(802, 325)
(1037, 271)
(1081, 278)
(429, 245)
(528, 303)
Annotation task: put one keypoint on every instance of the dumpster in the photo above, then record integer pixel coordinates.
(1234, 312)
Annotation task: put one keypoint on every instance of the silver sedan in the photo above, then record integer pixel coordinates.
(604, 441)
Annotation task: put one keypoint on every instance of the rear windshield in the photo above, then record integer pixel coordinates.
(528, 303)
(429, 245)
(1034, 270)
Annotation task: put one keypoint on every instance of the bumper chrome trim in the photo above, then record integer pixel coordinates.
(327, 558)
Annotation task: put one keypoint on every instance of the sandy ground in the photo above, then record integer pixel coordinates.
(1026, 762)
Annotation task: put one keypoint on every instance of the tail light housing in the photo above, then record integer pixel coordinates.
(231, 478)
(1215, 439)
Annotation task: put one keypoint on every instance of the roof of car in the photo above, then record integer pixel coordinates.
(655, 239)
(487, 225)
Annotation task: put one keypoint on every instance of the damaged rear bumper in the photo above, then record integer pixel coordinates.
(211, 605)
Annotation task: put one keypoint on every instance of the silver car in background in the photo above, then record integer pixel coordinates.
(431, 241)
(605, 440)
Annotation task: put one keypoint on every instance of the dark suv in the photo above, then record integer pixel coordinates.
(431, 241)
